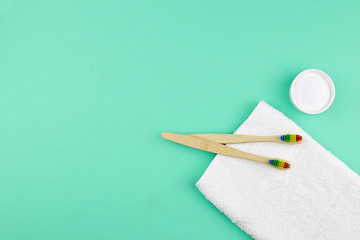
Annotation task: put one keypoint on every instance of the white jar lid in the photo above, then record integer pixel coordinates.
(312, 91)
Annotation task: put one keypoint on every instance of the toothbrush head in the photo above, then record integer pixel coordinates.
(279, 164)
(291, 138)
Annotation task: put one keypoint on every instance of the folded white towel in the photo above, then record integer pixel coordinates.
(317, 198)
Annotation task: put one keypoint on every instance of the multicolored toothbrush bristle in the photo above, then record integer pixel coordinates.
(279, 163)
(290, 138)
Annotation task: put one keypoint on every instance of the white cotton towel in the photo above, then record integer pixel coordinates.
(317, 198)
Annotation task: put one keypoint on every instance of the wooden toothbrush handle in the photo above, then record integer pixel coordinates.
(208, 145)
(235, 138)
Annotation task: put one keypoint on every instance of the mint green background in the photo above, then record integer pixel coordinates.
(86, 88)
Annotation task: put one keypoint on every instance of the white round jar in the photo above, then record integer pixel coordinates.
(312, 91)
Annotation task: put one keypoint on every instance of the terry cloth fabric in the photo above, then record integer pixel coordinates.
(317, 198)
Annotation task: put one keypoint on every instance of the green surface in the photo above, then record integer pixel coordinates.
(86, 88)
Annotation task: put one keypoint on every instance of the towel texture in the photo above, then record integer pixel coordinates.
(318, 198)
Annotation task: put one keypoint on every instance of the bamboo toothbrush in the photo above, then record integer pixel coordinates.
(215, 143)
(235, 138)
